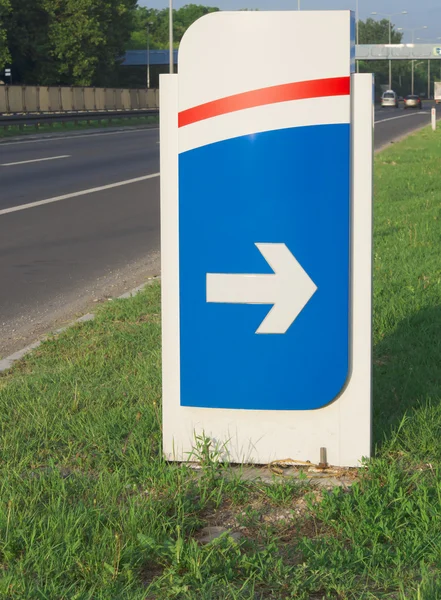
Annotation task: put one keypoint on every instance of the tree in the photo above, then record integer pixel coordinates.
(377, 32)
(68, 42)
(186, 16)
(144, 17)
(157, 23)
(88, 37)
(27, 30)
(5, 7)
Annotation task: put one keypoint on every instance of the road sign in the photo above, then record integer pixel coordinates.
(259, 235)
(7, 72)
(288, 289)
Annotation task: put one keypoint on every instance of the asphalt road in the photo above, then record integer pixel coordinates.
(58, 258)
(391, 123)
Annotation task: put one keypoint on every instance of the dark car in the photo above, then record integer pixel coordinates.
(413, 101)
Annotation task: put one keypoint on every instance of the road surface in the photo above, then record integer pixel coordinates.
(391, 124)
(58, 258)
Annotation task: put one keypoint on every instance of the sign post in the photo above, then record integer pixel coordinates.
(266, 202)
(8, 73)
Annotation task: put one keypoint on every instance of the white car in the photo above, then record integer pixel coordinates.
(389, 98)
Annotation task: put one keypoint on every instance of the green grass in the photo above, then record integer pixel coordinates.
(14, 130)
(90, 510)
(407, 295)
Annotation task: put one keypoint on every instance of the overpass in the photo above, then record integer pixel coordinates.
(136, 58)
(397, 52)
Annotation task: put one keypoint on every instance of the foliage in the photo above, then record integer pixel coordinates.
(5, 7)
(156, 22)
(88, 36)
(81, 42)
(74, 42)
(377, 32)
(26, 27)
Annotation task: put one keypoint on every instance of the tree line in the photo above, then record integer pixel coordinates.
(154, 24)
(82, 42)
(64, 41)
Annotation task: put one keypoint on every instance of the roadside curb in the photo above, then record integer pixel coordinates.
(8, 362)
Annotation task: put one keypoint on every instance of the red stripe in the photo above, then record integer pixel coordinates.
(302, 90)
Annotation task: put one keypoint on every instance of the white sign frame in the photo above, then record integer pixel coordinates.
(251, 436)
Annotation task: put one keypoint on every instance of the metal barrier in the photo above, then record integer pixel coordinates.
(37, 119)
(23, 99)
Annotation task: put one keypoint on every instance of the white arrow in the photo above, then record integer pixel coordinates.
(289, 289)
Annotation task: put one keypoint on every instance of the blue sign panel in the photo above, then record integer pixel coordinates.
(251, 335)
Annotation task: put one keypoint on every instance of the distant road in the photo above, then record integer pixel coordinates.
(391, 123)
(58, 257)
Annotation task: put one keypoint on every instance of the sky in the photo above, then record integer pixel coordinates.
(420, 13)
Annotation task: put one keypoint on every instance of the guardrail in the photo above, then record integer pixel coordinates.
(29, 98)
(38, 119)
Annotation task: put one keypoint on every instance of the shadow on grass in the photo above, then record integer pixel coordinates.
(407, 378)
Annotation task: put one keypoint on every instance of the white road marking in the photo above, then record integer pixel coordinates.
(403, 116)
(13, 209)
(73, 137)
(26, 162)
